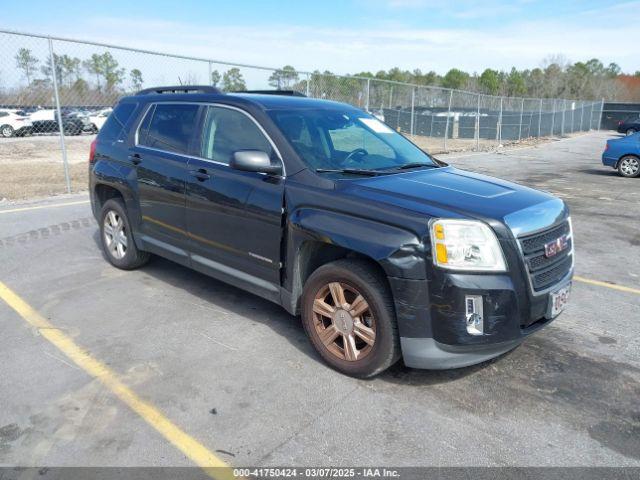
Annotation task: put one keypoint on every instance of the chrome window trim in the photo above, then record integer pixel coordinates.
(140, 122)
(197, 157)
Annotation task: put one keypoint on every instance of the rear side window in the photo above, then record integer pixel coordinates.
(114, 125)
(169, 127)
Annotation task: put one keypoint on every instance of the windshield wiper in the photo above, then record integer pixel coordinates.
(418, 165)
(353, 171)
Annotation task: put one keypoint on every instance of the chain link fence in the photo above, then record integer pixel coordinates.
(55, 95)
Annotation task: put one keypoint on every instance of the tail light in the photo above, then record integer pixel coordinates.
(606, 147)
(620, 122)
(92, 150)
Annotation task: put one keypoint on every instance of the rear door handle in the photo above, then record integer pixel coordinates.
(201, 174)
(135, 158)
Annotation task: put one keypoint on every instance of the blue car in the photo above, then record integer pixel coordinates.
(623, 154)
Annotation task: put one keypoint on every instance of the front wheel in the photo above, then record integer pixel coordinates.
(117, 238)
(348, 314)
(629, 166)
(631, 131)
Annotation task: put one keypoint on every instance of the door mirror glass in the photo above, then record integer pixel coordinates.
(254, 161)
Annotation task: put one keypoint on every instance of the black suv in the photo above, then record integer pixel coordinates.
(384, 251)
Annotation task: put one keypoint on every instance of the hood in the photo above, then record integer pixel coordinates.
(447, 190)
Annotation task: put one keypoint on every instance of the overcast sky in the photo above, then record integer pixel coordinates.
(352, 35)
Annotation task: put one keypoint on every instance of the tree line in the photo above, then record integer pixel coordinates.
(109, 80)
(556, 78)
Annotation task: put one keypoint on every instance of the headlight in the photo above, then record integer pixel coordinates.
(466, 245)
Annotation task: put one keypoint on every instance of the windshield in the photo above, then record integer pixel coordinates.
(332, 139)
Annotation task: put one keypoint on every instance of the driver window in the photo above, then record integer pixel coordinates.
(226, 131)
(354, 137)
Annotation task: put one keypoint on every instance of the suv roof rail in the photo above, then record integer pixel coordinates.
(180, 89)
(289, 93)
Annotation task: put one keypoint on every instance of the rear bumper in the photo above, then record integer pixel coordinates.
(609, 161)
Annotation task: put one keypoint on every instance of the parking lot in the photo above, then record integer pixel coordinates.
(237, 375)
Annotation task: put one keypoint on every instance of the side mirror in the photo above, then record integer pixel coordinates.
(254, 161)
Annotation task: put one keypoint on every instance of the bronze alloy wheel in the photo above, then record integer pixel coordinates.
(344, 321)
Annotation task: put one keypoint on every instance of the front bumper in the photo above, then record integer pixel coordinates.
(433, 334)
(432, 314)
(430, 354)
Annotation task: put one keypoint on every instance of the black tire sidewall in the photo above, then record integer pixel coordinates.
(130, 258)
(376, 296)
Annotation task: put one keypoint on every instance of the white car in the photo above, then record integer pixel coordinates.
(97, 119)
(13, 124)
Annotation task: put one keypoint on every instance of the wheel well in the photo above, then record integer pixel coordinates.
(106, 192)
(312, 255)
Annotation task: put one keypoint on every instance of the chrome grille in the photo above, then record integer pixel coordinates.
(544, 271)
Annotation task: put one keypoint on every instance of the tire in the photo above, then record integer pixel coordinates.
(121, 253)
(334, 328)
(631, 131)
(71, 129)
(629, 166)
(7, 131)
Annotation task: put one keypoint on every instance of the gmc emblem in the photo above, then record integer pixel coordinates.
(551, 249)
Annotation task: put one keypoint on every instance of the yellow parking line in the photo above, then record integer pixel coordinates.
(38, 207)
(607, 285)
(188, 445)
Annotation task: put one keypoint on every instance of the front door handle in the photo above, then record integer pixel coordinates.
(135, 158)
(201, 174)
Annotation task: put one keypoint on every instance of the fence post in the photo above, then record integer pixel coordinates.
(478, 126)
(308, 90)
(520, 126)
(391, 97)
(368, 94)
(540, 118)
(210, 82)
(591, 116)
(413, 103)
(553, 118)
(564, 108)
(63, 147)
(601, 112)
(446, 127)
(499, 132)
(581, 114)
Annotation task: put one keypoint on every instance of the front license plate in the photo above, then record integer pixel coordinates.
(559, 300)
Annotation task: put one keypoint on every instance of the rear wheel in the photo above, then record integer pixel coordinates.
(6, 131)
(117, 238)
(629, 166)
(348, 314)
(71, 129)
